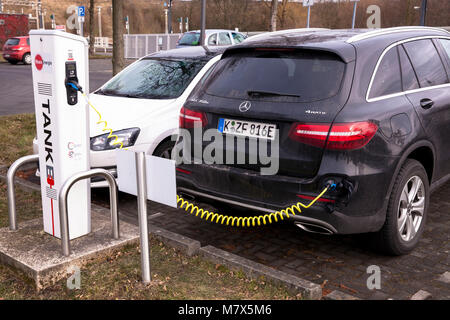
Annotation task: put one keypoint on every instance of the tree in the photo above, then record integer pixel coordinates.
(118, 30)
(91, 26)
(273, 16)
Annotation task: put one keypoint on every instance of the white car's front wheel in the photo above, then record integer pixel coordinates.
(164, 150)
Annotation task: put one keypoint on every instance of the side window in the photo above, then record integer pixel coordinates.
(387, 79)
(409, 79)
(426, 62)
(224, 39)
(238, 38)
(446, 45)
(28, 41)
(212, 41)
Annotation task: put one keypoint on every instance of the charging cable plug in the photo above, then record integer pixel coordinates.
(331, 185)
(74, 85)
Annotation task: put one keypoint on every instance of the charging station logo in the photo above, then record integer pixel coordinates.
(39, 62)
(43, 63)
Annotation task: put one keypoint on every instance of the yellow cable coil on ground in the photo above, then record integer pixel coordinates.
(215, 217)
(245, 221)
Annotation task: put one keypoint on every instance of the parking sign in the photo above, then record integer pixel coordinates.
(81, 11)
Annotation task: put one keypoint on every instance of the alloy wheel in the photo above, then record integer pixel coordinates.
(411, 208)
(28, 59)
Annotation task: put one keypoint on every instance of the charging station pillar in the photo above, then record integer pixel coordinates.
(62, 125)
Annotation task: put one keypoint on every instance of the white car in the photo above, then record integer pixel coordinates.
(213, 37)
(142, 103)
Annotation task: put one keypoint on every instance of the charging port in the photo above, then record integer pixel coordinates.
(339, 188)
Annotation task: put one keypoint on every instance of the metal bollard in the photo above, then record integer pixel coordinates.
(10, 187)
(141, 178)
(62, 198)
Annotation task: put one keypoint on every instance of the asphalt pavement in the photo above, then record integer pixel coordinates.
(16, 85)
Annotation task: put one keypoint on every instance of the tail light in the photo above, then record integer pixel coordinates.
(190, 118)
(341, 136)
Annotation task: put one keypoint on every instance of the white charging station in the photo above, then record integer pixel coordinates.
(62, 125)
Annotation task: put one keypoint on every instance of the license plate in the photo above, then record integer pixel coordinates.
(6, 56)
(247, 128)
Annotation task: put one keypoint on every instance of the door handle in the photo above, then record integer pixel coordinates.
(426, 103)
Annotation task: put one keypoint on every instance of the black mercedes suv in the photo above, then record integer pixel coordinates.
(367, 112)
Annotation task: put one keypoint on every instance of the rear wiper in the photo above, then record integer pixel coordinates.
(269, 93)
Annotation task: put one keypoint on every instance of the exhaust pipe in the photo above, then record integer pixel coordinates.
(314, 228)
(187, 196)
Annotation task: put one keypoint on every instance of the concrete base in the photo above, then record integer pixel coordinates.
(38, 254)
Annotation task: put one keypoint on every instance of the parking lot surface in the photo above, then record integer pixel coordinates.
(336, 262)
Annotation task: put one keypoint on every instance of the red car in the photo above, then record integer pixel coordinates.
(17, 49)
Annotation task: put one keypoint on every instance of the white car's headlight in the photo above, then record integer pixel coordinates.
(127, 136)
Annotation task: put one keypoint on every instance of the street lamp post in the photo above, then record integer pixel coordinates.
(355, 3)
(170, 16)
(39, 10)
(99, 21)
(203, 24)
(166, 26)
(423, 12)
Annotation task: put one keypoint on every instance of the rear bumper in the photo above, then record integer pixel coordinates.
(12, 55)
(360, 211)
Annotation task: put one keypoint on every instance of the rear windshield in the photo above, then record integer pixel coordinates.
(154, 79)
(297, 76)
(12, 42)
(190, 39)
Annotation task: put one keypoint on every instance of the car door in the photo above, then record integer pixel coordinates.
(432, 99)
(212, 40)
(224, 39)
(237, 37)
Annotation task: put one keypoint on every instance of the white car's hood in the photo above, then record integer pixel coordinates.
(122, 113)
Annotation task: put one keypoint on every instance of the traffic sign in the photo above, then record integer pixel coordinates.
(308, 3)
(81, 11)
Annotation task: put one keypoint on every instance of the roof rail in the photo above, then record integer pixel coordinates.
(379, 32)
(287, 30)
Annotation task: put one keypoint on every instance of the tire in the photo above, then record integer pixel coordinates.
(26, 59)
(405, 223)
(164, 150)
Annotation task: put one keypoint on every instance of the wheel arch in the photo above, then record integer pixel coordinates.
(164, 140)
(422, 151)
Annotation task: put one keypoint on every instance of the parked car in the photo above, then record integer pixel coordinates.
(367, 111)
(17, 49)
(214, 37)
(142, 103)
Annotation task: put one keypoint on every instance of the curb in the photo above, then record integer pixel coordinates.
(184, 244)
(421, 295)
(307, 289)
(339, 295)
